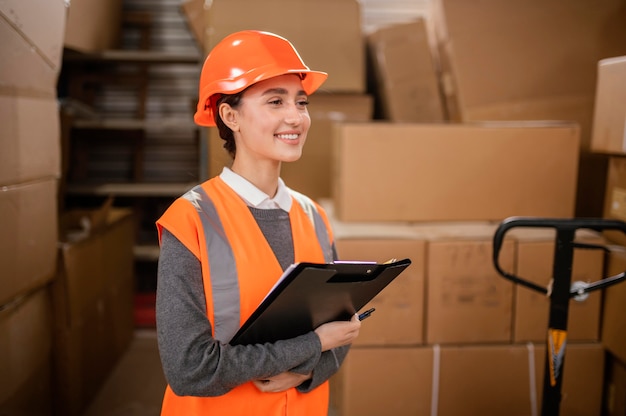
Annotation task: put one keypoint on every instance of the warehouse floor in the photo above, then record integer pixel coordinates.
(136, 385)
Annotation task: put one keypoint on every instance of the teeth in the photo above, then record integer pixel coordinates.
(287, 136)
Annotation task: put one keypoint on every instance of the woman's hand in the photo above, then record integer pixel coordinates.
(281, 382)
(338, 333)
(332, 335)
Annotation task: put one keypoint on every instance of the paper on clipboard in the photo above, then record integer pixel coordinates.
(310, 294)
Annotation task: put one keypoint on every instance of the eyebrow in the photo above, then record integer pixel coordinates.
(281, 91)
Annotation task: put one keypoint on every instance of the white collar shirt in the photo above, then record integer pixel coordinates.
(253, 196)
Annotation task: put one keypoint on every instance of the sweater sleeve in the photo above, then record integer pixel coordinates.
(328, 365)
(196, 364)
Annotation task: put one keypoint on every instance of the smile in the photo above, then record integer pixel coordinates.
(287, 136)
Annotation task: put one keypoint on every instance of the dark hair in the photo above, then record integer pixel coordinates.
(225, 132)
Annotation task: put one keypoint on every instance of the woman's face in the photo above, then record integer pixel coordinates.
(272, 120)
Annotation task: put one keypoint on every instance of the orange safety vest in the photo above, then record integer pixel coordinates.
(216, 225)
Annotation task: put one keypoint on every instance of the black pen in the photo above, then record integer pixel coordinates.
(366, 314)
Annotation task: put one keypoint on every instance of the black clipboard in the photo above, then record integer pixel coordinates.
(311, 294)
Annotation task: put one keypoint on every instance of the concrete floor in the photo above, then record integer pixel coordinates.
(136, 385)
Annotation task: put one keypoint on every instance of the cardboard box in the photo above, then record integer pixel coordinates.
(93, 26)
(609, 122)
(28, 241)
(463, 381)
(195, 15)
(454, 172)
(326, 33)
(83, 359)
(534, 263)
(405, 71)
(87, 354)
(466, 300)
(592, 167)
(574, 108)
(471, 380)
(30, 149)
(615, 198)
(93, 303)
(383, 381)
(312, 173)
(615, 385)
(399, 316)
(338, 107)
(24, 71)
(26, 350)
(92, 262)
(613, 334)
(603, 126)
(41, 23)
(547, 51)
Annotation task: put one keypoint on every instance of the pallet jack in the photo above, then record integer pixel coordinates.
(560, 290)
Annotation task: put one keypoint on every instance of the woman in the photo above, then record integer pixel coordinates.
(225, 243)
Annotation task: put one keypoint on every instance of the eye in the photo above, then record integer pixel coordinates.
(303, 102)
(276, 101)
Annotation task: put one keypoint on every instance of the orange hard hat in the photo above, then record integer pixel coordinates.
(244, 58)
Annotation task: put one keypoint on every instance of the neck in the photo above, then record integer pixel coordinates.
(263, 177)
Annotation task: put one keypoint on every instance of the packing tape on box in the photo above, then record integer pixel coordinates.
(531, 379)
(434, 398)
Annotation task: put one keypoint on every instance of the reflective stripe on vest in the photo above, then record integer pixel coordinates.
(320, 227)
(226, 307)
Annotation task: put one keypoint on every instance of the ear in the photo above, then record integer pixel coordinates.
(229, 116)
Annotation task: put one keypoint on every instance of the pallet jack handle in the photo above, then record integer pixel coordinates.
(560, 289)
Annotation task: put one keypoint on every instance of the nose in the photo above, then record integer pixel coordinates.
(293, 115)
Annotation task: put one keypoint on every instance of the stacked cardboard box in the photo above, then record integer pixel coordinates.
(406, 179)
(92, 299)
(525, 61)
(406, 78)
(92, 293)
(463, 380)
(615, 392)
(413, 175)
(454, 172)
(613, 335)
(39, 351)
(609, 135)
(93, 26)
(26, 348)
(446, 327)
(613, 324)
(31, 50)
(609, 121)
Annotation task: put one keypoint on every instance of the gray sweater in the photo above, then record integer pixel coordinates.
(194, 363)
